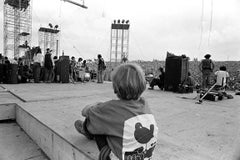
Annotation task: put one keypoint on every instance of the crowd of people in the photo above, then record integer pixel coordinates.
(45, 68)
(221, 77)
(79, 70)
(21, 72)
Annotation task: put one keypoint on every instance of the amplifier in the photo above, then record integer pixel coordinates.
(212, 96)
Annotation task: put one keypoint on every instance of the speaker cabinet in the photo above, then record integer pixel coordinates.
(12, 74)
(63, 69)
(176, 70)
(2, 72)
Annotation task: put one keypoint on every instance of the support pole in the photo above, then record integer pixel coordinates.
(75, 3)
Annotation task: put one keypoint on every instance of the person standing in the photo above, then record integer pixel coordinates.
(206, 66)
(1, 68)
(37, 63)
(48, 65)
(1, 59)
(72, 70)
(79, 69)
(101, 67)
(79, 62)
(56, 77)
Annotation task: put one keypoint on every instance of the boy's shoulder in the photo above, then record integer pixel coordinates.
(118, 104)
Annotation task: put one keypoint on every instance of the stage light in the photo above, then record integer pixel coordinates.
(119, 21)
(127, 21)
(123, 21)
(56, 27)
(50, 25)
(114, 21)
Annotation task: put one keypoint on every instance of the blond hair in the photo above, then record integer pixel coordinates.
(128, 81)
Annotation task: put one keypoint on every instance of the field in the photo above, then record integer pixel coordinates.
(152, 66)
(232, 68)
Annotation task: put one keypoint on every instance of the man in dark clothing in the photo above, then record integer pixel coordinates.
(48, 65)
(206, 67)
(158, 80)
(101, 68)
(1, 68)
(56, 77)
(1, 59)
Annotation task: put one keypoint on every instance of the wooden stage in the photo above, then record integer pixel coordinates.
(187, 131)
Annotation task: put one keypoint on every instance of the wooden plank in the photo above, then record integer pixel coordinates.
(15, 144)
(7, 111)
(52, 144)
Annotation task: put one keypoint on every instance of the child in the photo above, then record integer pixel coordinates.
(123, 128)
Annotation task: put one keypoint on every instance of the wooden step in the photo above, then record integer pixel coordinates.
(15, 144)
(7, 111)
(55, 145)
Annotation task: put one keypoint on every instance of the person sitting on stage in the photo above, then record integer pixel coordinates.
(221, 77)
(187, 85)
(158, 80)
(123, 128)
(237, 84)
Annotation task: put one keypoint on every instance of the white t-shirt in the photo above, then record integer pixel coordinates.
(38, 58)
(221, 77)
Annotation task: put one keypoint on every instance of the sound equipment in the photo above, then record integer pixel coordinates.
(64, 63)
(185, 89)
(212, 96)
(57, 71)
(12, 74)
(2, 73)
(176, 70)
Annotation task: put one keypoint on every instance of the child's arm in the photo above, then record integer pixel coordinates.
(87, 107)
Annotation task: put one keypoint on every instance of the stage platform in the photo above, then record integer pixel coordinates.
(187, 131)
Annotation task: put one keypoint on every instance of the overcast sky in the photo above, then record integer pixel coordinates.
(156, 26)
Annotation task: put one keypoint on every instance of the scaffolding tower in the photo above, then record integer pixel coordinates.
(49, 38)
(17, 27)
(119, 42)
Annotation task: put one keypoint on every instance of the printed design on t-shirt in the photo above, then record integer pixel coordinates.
(139, 138)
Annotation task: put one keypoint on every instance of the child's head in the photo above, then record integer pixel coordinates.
(223, 68)
(128, 81)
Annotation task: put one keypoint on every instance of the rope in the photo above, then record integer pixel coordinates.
(202, 15)
(211, 21)
(78, 51)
